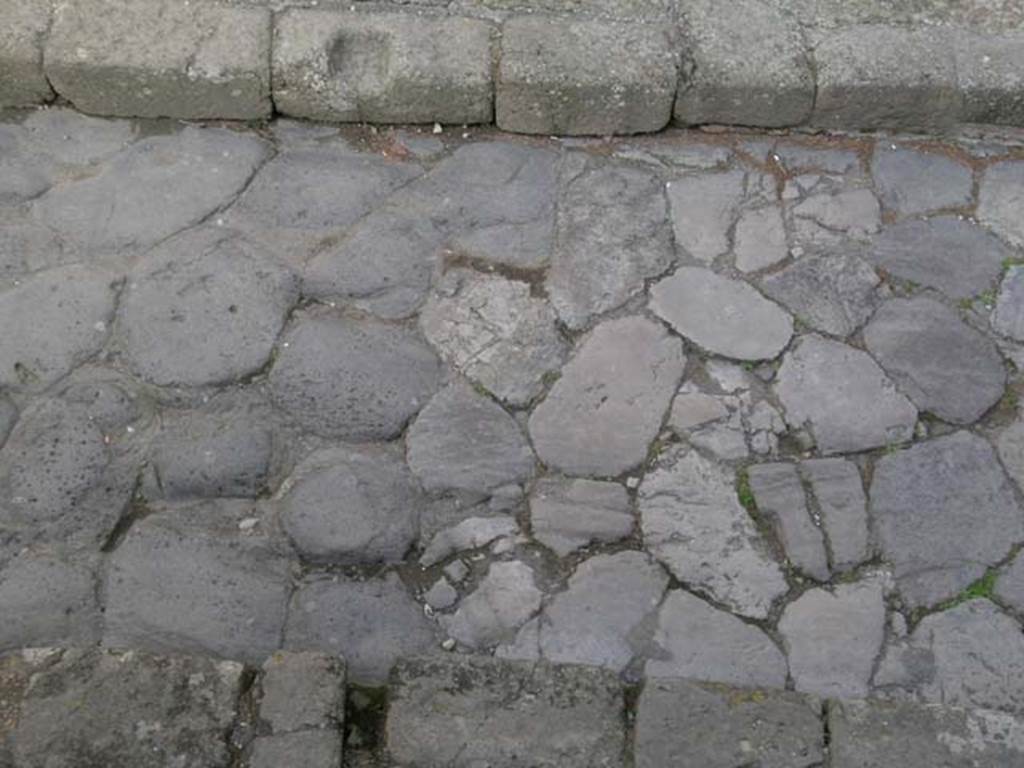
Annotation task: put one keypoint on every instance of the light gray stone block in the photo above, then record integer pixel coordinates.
(22, 82)
(990, 76)
(302, 691)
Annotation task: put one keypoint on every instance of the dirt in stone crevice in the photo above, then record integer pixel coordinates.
(366, 712)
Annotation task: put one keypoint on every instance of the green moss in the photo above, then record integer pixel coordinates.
(984, 587)
(743, 492)
(1012, 262)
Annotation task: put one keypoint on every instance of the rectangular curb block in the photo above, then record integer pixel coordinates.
(383, 67)
(161, 58)
(990, 72)
(22, 26)
(562, 76)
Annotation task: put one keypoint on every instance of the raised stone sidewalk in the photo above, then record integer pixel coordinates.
(530, 66)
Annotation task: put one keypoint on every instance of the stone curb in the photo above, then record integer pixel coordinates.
(623, 67)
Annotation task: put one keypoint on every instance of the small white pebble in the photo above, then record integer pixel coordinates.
(248, 523)
(438, 128)
(632, 482)
(448, 644)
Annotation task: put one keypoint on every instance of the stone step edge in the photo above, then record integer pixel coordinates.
(743, 63)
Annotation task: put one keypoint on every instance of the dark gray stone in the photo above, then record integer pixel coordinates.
(301, 691)
(23, 83)
(566, 515)
(838, 490)
(305, 749)
(1008, 317)
(1000, 198)
(1009, 587)
(8, 418)
(505, 598)
(912, 182)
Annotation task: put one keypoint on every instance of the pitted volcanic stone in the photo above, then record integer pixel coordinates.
(1000, 198)
(912, 182)
(353, 379)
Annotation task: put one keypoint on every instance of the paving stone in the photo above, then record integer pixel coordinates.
(8, 418)
(724, 316)
(471, 533)
(988, 75)
(306, 749)
(23, 83)
(744, 64)
(602, 414)
(159, 58)
(469, 711)
(693, 725)
(725, 440)
(779, 494)
(347, 66)
(843, 396)
(302, 691)
(54, 321)
(760, 239)
(352, 506)
(913, 182)
(1009, 588)
(553, 76)
(1008, 317)
(197, 170)
(441, 596)
(1000, 197)
(65, 136)
(699, 642)
(505, 598)
(827, 158)
(352, 379)
(369, 623)
(833, 638)
(204, 308)
(704, 208)
(839, 492)
(854, 213)
(874, 76)
(114, 708)
(694, 409)
(567, 515)
(190, 578)
(612, 235)
(493, 331)
(872, 733)
(943, 512)
(722, 554)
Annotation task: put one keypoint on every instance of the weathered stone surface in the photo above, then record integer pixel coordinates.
(300, 691)
(613, 235)
(494, 332)
(694, 524)
(1000, 198)
(833, 638)
(368, 623)
(441, 595)
(471, 533)
(204, 308)
(1008, 317)
(352, 506)
(566, 515)
(159, 58)
(117, 708)
(8, 418)
(48, 600)
(505, 599)
(305, 749)
(989, 75)
(854, 213)
(693, 725)
(469, 711)
(943, 365)
(745, 63)
(760, 239)
(828, 157)
(63, 135)
(349, 66)
(724, 316)
(1009, 587)
(913, 182)
(843, 396)
(600, 417)
(53, 321)
(1010, 445)
(933, 252)
(943, 512)
(465, 441)
(190, 578)
(22, 82)
(553, 76)
(699, 642)
(694, 409)
(350, 378)
(831, 294)
(839, 492)
(703, 209)
(779, 494)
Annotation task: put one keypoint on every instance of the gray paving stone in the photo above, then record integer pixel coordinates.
(357, 505)
(553, 76)
(8, 418)
(369, 623)
(833, 638)
(54, 321)
(943, 512)
(694, 409)
(470, 533)
(760, 239)
(300, 691)
(722, 554)
(1009, 588)
(505, 599)
(305, 749)
(493, 331)
(567, 515)
(873, 733)
(913, 182)
(988, 68)
(693, 725)
(699, 642)
(724, 316)
(779, 494)
(22, 82)
(355, 379)
(745, 63)
(854, 213)
(839, 492)
(1008, 317)
(442, 595)
(469, 711)
(191, 578)
(843, 396)
(205, 307)
(65, 136)
(1010, 446)
(160, 58)
(612, 236)
(348, 66)
(602, 414)
(704, 208)
(825, 157)
(725, 440)
(118, 708)
(831, 294)
(1000, 197)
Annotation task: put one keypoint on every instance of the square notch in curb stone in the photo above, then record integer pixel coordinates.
(745, 62)
(22, 26)
(161, 58)
(383, 67)
(873, 76)
(585, 78)
(990, 70)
